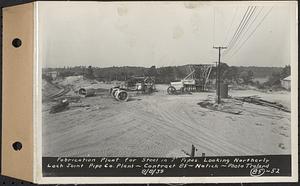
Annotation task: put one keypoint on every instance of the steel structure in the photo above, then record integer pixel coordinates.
(195, 81)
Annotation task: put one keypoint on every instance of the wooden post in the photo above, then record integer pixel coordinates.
(218, 72)
(193, 151)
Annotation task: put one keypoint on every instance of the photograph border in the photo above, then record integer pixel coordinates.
(294, 133)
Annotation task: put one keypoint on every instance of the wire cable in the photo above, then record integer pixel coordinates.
(249, 26)
(214, 26)
(253, 31)
(242, 29)
(230, 46)
(233, 18)
(241, 22)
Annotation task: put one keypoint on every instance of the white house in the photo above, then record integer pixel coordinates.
(286, 83)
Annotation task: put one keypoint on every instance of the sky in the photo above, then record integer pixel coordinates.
(104, 34)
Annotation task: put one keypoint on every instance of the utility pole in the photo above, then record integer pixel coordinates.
(219, 75)
(216, 75)
(193, 151)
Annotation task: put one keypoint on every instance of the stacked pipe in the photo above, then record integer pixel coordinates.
(119, 94)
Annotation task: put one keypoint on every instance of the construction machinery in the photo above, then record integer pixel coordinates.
(196, 81)
(119, 94)
(144, 85)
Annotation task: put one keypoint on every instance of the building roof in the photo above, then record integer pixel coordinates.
(287, 78)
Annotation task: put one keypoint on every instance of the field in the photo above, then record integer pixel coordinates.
(161, 125)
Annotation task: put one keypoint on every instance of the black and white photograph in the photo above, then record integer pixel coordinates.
(127, 80)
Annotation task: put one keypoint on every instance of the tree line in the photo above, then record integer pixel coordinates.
(230, 74)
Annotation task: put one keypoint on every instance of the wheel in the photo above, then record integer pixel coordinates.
(113, 91)
(122, 95)
(171, 90)
(186, 89)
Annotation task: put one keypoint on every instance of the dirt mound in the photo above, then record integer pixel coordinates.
(71, 80)
(77, 82)
(227, 106)
(49, 89)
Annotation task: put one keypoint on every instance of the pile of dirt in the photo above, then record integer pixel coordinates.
(49, 89)
(227, 105)
(77, 82)
(74, 80)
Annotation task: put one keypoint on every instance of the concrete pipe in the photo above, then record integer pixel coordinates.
(87, 92)
(122, 95)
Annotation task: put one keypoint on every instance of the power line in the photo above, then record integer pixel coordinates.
(253, 31)
(241, 22)
(242, 29)
(214, 31)
(249, 26)
(249, 16)
(233, 17)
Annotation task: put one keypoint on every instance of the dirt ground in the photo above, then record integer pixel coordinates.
(161, 125)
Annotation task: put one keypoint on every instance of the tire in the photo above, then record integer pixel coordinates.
(113, 91)
(171, 90)
(122, 95)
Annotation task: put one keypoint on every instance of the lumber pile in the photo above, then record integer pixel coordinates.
(258, 101)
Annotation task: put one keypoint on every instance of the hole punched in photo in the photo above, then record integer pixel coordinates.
(17, 146)
(17, 42)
